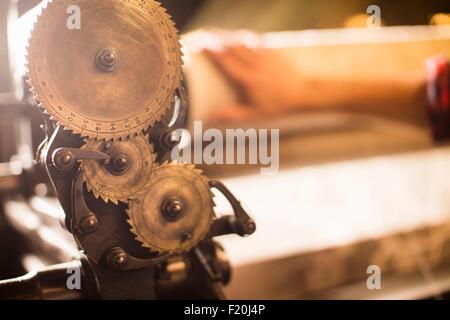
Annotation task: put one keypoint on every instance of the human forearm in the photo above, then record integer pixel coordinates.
(401, 98)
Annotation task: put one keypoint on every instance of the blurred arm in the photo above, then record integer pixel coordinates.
(268, 85)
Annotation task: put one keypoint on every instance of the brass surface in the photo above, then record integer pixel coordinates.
(69, 84)
(114, 186)
(147, 220)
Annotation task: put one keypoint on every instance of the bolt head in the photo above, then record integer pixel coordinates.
(64, 160)
(172, 209)
(118, 164)
(89, 225)
(167, 140)
(118, 259)
(107, 59)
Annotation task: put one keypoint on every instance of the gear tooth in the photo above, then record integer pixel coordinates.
(132, 229)
(43, 109)
(129, 220)
(44, 112)
(95, 193)
(88, 186)
(36, 98)
(65, 128)
(105, 198)
(124, 201)
(145, 245)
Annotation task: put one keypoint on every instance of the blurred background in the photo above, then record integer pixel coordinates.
(355, 189)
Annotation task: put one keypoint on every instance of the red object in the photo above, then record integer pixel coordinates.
(438, 92)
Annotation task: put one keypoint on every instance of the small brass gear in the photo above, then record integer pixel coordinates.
(127, 172)
(174, 212)
(113, 77)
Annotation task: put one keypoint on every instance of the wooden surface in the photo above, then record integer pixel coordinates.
(321, 226)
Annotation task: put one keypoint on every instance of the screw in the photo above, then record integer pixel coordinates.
(167, 140)
(63, 160)
(107, 59)
(118, 164)
(89, 225)
(66, 158)
(118, 259)
(172, 209)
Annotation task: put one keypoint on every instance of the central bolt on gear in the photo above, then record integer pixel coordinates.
(125, 174)
(109, 87)
(174, 212)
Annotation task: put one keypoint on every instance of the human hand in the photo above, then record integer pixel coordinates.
(266, 83)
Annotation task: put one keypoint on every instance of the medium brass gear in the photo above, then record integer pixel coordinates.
(127, 172)
(112, 78)
(175, 211)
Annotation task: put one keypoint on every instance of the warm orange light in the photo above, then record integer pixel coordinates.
(358, 20)
(440, 19)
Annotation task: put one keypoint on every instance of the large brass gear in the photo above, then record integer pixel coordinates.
(128, 171)
(174, 212)
(112, 78)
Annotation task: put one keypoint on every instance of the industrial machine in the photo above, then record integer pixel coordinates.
(107, 75)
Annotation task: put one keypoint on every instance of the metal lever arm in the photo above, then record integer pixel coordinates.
(240, 223)
(64, 159)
